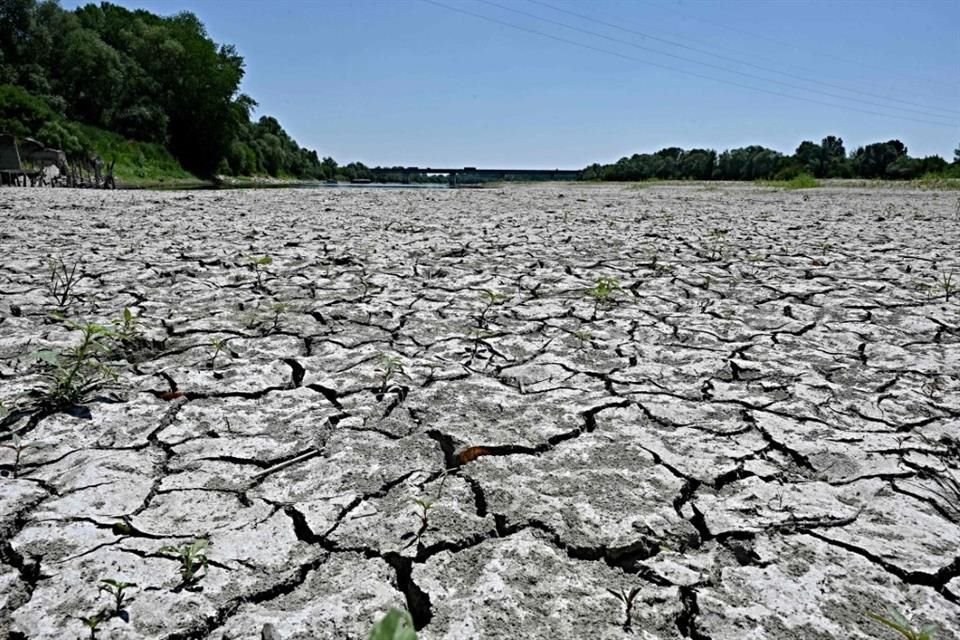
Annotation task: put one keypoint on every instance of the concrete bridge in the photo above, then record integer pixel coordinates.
(496, 174)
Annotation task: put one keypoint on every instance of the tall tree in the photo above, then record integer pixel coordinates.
(834, 157)
(809, 155)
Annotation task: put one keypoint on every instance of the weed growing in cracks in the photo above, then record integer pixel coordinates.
(257, 263)
(193, 560)
(947, 285)
(127, 327)
(62, 280)
(902, 626)
(396, 625)
(947, 492)
(218, 346)
(72, 375)
(583, 336)
(627, 598)
(423, 514)
(491, 299)
(92, 622)
(390, 366)
(17, 446)
(603, 291)
(118, 590)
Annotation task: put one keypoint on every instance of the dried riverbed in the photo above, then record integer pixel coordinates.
(743, 430)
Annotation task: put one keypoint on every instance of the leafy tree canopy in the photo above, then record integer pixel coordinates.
(147, 77)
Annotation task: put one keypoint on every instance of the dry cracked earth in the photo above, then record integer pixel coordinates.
(418, 403)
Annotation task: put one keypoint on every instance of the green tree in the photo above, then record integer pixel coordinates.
(834, 157)
(697, 164)
(809, 156)
(904, 168)
(872, 160)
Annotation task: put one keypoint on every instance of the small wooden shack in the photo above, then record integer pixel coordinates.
(29, 162)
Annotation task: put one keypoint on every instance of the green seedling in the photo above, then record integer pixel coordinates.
(61, 281)
(477, 335)
(423, 513)
(491, 299)
(257, 263)
(717, 244)
(72, 375)
(118, 590)
(193, 560)
(603, 291)
(17, 446)
(396, 625)
(365, 287)
(583, 336)
(127, 327)
(947, 285)
(903, 626)
(277, 310)
(663, 268)
(390, 366)
(948, 492)
(627, 598)
(924, 288)
(92, 622)
(218, 346)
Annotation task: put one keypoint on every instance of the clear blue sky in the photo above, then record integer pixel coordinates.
(410, 82)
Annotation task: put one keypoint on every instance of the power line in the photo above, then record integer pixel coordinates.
(794, 46)
(790, 65)
(709, 65)
(743, 62)
(676, 69)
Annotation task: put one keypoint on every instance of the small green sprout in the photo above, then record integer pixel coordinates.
(947, 285)
(425, 506)
(424, 515)
(62, 280)
(627, 598)
(218, 346)
(717, 244)
(390, 366)
(92, 622)
(257, 263)
(396, 625)
(72, 375)
(491, 299)
(277, 309)
(126, 328)
(118, 590)
(477, 335)
(193, 559)
(17, 446)
(602, 292)
(902, 626)
(947, 491)
(583, 336)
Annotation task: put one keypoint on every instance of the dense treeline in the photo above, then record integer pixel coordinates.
(149, 78)
(829, 159)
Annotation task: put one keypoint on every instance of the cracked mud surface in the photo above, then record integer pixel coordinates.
(744, 430)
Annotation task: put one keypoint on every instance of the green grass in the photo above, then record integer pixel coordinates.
(138, 164)
(802, 181)
(938, 181)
